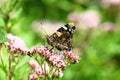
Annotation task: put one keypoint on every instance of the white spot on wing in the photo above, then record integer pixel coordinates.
(65, 28)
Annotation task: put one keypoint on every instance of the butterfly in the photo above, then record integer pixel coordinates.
(62, 39)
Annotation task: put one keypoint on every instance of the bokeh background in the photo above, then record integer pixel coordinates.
(96, 38)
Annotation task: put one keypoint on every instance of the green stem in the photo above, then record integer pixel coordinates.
(10, 66)
(4, 67)
(6, 16)
(14, 4)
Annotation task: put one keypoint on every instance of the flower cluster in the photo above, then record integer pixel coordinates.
(43, 70)
(54, 58)
(16, 44)
(58, 61)
(46, 60)
(45, 52)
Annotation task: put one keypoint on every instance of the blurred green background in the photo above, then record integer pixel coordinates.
(96, 39)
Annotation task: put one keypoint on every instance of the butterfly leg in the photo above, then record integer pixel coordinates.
(51, 48)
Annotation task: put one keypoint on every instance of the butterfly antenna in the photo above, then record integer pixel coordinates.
(43, 29)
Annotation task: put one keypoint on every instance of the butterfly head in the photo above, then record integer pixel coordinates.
(70, 27)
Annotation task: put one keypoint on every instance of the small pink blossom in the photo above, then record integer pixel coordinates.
(74, 17)
(71, 56)
(86, 20)
(34, 64)
(108, 3)
(108, 26)
(39, 72)
(44, 51)
(58, 73)
(33, 50)
(33, 76)
(58, 61)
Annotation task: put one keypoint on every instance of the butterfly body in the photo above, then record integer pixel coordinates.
(62, 39)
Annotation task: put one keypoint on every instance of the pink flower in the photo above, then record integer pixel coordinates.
(39, 72)
(16, 44)
(88, 19)
(33, 50)
(58, 73)
(53, 62)
(34, 64)
(58, 61)
(38, 69)
(44, 51)
(74, 17)
(108, 26)
(108, 3)
(33, 76)
(72, 58)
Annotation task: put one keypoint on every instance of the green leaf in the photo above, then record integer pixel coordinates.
(2, 74)
(3, 37)
(2, 23)
(22, 69)
(4, 62)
